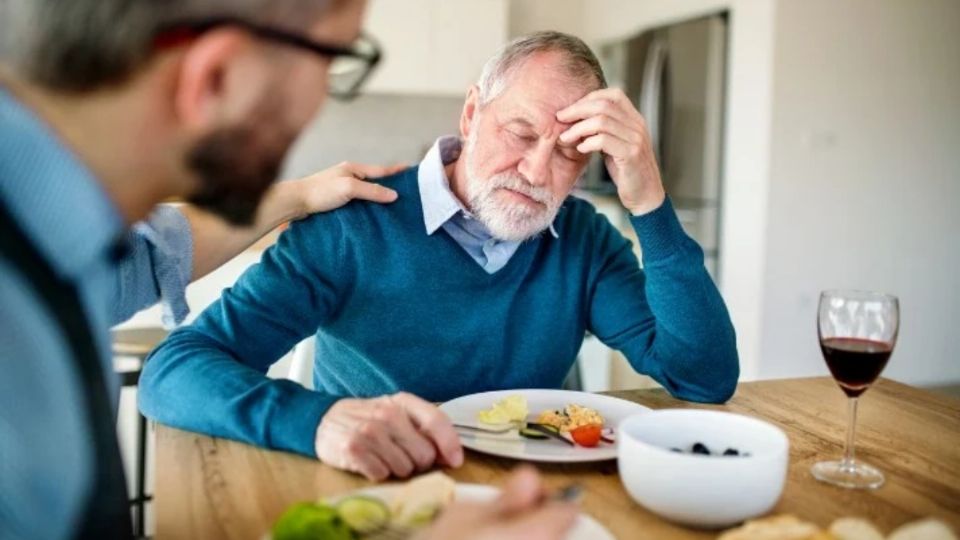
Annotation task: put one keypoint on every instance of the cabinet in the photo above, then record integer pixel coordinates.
(434, 47)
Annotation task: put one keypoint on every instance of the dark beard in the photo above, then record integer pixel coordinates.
(235, 167)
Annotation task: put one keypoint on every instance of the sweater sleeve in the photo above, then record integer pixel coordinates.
(210, 376)
(668, 318)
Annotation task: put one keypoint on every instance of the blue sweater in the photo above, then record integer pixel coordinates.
(395, 309)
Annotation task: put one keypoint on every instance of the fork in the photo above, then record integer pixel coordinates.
(505, 429)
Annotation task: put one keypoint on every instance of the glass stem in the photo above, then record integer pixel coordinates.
(848, 456)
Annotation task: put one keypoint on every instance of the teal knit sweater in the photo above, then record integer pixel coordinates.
(395, 309)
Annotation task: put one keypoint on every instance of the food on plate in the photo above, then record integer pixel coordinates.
(307, 520)
(533, 433)
(571, 417)
(780, 527)
(560, 424)
(924, 529)
(419, 500)
(507, 410)
(588, 435)
(850, 528)
(788, 527)
(414, 504)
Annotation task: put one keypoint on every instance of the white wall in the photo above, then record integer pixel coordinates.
(747, 137)
(533, 15)
(433, 47)
(865, 177)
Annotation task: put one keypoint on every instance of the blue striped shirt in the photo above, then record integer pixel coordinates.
(45, 458)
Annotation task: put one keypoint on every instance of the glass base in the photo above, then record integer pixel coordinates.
(848, 474)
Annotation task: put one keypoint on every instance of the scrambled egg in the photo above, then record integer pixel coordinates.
(507, 410)
(570, 418)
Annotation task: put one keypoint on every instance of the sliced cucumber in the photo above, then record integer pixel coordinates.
(364, 514)
(532, 434)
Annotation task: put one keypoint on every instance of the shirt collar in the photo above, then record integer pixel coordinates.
(62, 208)
(439, 203)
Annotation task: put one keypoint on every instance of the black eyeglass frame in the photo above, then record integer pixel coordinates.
(369, 58)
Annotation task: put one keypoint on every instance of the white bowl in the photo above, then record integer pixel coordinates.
(698, 490)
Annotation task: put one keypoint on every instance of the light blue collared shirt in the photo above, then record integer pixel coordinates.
(442, 209)
(45, 453)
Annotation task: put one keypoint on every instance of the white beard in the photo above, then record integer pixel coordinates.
(508, 221)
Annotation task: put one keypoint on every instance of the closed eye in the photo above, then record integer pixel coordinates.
(525, 137)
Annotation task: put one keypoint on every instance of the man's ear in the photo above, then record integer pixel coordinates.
(202, 95)
(469, 113)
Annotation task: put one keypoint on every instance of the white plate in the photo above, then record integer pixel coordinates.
(463, 410)
(585, 528)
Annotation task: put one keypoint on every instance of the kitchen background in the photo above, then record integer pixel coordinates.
(830, 155)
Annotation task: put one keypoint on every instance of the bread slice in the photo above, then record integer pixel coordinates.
(419, 500)
(924, 529)
(850, 528)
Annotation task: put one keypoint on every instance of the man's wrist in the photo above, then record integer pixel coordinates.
(637, 210)
(284, 202)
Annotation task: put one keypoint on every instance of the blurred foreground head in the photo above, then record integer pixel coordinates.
(206, 96)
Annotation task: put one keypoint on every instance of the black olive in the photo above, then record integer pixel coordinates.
(700, 448)
(731, 452)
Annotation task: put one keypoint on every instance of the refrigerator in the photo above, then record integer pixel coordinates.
(675, 75)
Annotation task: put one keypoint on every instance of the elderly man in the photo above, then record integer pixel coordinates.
(484, 275)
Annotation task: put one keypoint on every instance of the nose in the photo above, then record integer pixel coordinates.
(535, 165)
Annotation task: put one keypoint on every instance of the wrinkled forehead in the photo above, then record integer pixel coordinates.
(539, 88)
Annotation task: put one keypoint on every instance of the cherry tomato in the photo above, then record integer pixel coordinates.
(588, 435)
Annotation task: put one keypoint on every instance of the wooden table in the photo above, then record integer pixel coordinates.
(213, 488)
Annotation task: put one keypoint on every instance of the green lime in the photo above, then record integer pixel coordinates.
(311, 521)
(364, 514)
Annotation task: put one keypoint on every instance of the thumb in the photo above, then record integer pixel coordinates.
(523, 491)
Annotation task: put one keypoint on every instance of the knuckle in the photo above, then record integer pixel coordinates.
(353, 447)
(368, 430)
(387, 413)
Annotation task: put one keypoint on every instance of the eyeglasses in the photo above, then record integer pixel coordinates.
(350, 65)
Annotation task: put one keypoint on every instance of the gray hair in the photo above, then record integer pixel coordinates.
(580, 64)
(83, 45)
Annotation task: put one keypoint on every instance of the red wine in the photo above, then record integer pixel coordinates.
(855, 363)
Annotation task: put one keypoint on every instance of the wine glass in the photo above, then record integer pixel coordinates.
(857, 333)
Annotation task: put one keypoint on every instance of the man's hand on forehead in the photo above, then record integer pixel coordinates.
(606, 121)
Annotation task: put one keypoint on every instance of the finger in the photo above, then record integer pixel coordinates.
(361, 170)
(357, 455)
(601, 124)
(370, 466)
(551, 522)
(434, 423)
(523, 490)
(420, 450)
(608, 144)
(596, 107)
(391, 454)
(612, 95)
(369, 191)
